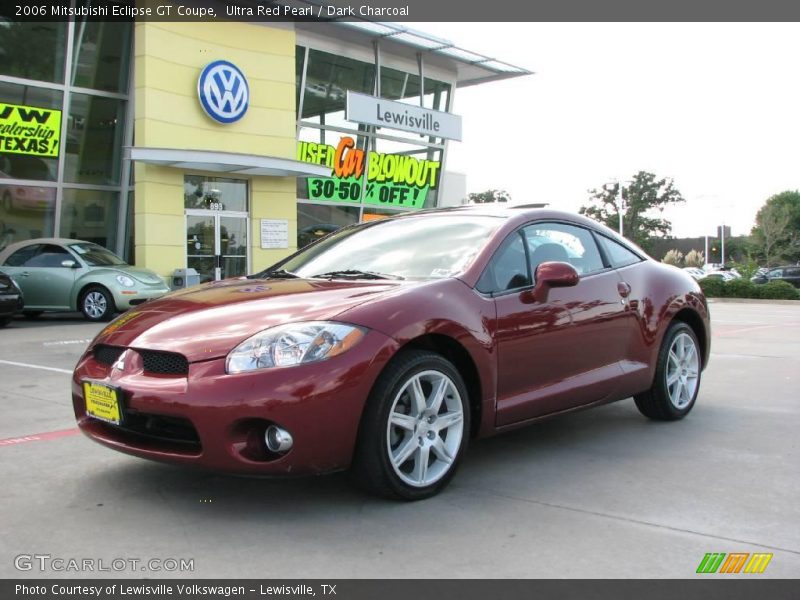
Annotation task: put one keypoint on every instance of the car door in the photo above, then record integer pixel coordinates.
(565, 351)
(44, 281)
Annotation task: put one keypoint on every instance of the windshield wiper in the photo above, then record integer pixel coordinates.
(355, 274)
(276, 274)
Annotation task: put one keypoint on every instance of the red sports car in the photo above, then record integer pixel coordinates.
(384, 347)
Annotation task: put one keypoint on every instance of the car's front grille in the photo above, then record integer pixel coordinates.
(170, 429)
(166, 363)
(107, 355)
(153, 361)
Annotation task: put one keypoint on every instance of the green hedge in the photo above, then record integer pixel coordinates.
(742, 288)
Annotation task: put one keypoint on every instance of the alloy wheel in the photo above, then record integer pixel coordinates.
(425, 428)
(683, 368)
(95, 305)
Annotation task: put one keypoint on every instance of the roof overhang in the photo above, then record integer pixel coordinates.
(226, 162)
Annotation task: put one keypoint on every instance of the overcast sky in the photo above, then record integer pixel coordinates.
(716, 107)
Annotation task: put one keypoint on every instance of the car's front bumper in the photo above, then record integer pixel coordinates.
(217, 421)
(126, 298)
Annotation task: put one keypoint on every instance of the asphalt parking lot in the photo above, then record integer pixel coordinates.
(601, 493)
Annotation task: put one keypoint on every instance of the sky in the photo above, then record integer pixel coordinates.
(715, 107)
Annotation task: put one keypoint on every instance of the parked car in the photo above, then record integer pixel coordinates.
(58, 274)
(11, 300)
(789, 273)
(696, 273)
(25, 197)
(385, 346)
(722, 275)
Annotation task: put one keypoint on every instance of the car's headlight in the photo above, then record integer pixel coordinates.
(126, 281)
(293, 344)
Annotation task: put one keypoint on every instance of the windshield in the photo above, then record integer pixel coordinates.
(96, 256)
(417, 247)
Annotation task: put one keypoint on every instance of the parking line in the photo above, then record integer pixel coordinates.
(19, 364)
(39, 437)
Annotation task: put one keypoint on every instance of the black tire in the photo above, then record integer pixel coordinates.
(659, 401)
(32, 314)
(372, 469)
(97, 304)
(5, 321)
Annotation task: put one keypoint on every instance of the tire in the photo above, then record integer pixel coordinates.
(5, 321)
(389, 454)
(97, 304)
(32, 314)
(679, 361)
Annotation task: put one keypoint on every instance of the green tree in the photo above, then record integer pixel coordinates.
(642, 197)
(777, 230)
(489, 196)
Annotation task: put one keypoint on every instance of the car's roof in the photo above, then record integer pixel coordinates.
(59, 241)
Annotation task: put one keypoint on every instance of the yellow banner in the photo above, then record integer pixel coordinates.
(30, 130)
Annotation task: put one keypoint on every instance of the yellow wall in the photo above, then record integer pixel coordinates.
(168, 61)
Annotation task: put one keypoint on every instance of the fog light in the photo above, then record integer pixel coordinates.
(277, 439)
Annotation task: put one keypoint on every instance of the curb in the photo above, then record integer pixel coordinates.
(753, 301)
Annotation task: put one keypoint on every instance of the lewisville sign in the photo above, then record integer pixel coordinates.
(370, 110)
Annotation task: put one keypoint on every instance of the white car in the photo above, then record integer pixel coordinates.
(696, 273)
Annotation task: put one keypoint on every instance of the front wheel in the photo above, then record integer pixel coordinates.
(415, 428)
(677, 379)
(97, 304)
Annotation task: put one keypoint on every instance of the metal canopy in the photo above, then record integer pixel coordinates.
(226, 162)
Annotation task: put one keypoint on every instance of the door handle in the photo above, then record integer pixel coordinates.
(624, 289)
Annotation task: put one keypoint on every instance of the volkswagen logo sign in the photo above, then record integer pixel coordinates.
(223, 91)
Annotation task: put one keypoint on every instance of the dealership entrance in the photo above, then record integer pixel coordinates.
(217, 224)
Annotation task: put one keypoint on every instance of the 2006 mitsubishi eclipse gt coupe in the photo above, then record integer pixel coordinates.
(385, 346)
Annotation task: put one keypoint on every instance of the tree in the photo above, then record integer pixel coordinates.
(694, 258)
(674, 257)
(489, 196)
(777, 230)
(641, 197)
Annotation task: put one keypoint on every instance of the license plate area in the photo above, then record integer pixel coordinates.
(103, 402)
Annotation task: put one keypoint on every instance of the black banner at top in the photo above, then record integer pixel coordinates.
(401, 10)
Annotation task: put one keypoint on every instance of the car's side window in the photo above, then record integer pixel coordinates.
(49, 256)
(617, 254)
(21, 257)
(564, 243)
(775, 273)
(508, 269)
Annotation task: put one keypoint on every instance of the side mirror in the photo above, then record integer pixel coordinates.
(70, 264)
(552, 275)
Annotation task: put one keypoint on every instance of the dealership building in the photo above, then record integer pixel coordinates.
(223, 146)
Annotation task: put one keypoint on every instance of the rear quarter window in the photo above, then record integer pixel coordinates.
(617, 254)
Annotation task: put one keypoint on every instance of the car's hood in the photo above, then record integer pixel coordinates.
(209, 321)
(142, 275)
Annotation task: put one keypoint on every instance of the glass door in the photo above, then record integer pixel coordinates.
(216, 244)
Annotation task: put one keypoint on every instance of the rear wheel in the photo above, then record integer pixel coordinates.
(677, 379)
(5, 321)
(414, 430)
(97, 304)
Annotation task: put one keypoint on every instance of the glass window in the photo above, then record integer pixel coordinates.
(617, 254)
(317, 220)
(410, 247)
(508, 269)
(49, 256)
(91, 216)
(94, 140)
(214, 193)
(28, 166)
(26, 212)
(96, 256)
(562, 243)
(775, 273)
(33, 50)
(328, 77)
(101, 56)
(21, 257)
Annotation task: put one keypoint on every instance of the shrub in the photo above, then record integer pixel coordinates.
(674, 257)
(694, 258)
(712, 287)
(740, 288)
(778, 290)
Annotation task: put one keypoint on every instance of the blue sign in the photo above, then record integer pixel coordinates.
(223, 91)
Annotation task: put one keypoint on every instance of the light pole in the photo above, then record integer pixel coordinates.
(620, 202)
(722, 244)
